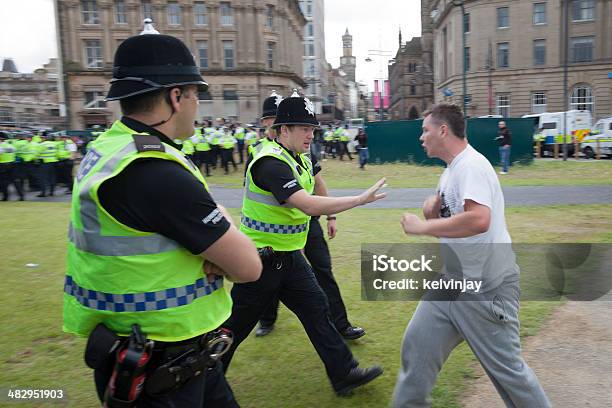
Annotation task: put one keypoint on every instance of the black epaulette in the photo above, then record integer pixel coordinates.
(148, 143)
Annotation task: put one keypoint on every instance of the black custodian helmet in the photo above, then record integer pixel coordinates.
(296, 110)
(270, 105)
(148, 62)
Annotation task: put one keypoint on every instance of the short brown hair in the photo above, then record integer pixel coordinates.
(450, 114)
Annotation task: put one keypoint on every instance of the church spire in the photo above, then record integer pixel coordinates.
(400, 37)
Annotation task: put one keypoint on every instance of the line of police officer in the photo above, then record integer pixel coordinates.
(41, 161)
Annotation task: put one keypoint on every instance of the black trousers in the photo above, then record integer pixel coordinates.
(290, 277)
(64, 173)
(203, 158)
(240, 147)
(46, 178)
(7, 177)
(205, 391)
(215, 152)
(343, 147)
(227, 157)
(317, 253)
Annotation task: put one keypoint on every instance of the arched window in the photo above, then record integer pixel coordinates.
(413, 113)
(582, 98)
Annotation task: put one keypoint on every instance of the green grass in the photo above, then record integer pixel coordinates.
(281, 370)
(345, 174)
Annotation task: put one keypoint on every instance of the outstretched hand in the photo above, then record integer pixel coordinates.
(372, 194)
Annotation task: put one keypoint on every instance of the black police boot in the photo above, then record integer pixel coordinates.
(353, 332)
(356, 378)
(263, 330)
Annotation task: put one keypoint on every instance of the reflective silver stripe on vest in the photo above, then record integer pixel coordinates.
(141, 302)
(263, 198)
(120, 246)
(272, 228)
(91, 240)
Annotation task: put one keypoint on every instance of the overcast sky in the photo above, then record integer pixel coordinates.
(27, 31)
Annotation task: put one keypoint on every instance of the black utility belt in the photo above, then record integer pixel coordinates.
(156, 367)
(268, 252)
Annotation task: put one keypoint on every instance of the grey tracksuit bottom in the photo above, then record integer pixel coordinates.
(489, 323)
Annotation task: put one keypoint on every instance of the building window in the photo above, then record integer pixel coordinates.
(270, 17)
(90, 12)
(503, 55)
(539, 52)
(582, 98)
(6, 115)
(539, 13)
(502, 17)
(581, 49)
(270, 55)
(94, 100)
(200, 13)
(174, 14)
(583, 10)
(228, 54)
(412, 89)
(309, 68)
(230, 95)
(203, 53)
(308, 9)
(309, 30)
(309, 49)
(227, 16)
(503, 105)
(93, 54)
(466, 22)
(120, 14)
(538, 102)
(466, 58)
(147, 9)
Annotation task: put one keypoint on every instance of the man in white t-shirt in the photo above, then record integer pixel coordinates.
(467, 214)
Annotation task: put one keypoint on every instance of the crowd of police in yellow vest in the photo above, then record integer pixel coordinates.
(209, 144)
(41, 162)
(37, 161)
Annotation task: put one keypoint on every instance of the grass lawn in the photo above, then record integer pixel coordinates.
(281, 370)
(346, 174)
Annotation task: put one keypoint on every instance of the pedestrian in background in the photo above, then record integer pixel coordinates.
(504, 140)
(364, 155)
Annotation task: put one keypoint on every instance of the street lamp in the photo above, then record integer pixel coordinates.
(460, 3)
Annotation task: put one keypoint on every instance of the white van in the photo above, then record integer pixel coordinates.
(548, 128)
(602, 133)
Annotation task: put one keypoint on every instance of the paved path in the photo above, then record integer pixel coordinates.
(414, 197)
(571, 357)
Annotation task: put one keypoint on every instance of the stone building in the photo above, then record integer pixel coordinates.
(245, 49)
(515, 52)
(315, 64)
(29, 99)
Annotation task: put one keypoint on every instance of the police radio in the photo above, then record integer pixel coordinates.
(129, 374)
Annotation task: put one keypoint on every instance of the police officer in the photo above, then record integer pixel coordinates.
(47, 168)
(157, 266)
(239, 134)
(344, 139)
(278, 203)
(202, 151)
(316, 249)
(7, 168)
(227, 142)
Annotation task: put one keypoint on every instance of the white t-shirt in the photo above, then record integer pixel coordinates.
(487, 256)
